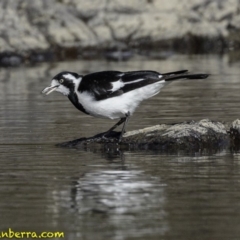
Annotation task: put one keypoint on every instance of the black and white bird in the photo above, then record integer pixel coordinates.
(113, 94)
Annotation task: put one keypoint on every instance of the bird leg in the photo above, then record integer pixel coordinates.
(124, 125)
(117, 124)
(122, 120)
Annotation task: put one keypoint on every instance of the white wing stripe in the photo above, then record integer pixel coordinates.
(119, 84)
(116, 85)
(135, 81)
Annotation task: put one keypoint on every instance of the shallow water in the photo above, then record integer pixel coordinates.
(134, 195)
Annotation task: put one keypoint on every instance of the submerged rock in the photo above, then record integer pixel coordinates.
(188, 136)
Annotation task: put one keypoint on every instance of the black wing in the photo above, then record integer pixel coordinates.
(101, 84)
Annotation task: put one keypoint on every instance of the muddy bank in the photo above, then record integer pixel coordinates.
(186, 136)
(46, 30)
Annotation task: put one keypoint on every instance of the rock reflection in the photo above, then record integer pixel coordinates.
(123, 203)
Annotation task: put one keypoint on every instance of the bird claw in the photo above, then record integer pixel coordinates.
(111, 137)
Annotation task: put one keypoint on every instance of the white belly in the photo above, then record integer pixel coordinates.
(118, 107)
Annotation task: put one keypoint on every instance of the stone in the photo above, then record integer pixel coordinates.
(187, 136)
(43, 25)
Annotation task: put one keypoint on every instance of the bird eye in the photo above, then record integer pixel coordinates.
(61, 80)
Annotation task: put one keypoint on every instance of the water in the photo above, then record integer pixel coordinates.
(133, 195)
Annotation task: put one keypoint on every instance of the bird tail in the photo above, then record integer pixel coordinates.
(176, 72)
(183, 75)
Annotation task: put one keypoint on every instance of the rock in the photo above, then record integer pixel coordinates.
(235, 134)
(188, 136)
(116, 55)
(42, 25)
(10, 59)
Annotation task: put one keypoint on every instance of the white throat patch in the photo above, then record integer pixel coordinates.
(62, 89)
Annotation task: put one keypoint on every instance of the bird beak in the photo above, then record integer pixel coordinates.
(50, 89)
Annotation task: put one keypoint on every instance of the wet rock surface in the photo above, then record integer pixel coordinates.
(71, 28)
(189, 136)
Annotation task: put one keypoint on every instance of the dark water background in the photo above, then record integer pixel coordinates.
(138, 195)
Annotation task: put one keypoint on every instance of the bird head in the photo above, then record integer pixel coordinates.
(64, 82)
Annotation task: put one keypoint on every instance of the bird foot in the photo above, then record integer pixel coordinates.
(107, 136)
